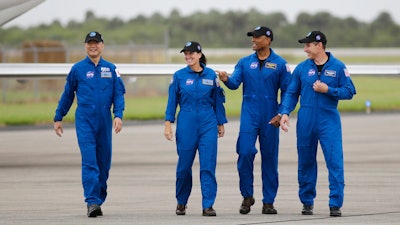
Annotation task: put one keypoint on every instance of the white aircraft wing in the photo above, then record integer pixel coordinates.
(60, 70)
(10, 9)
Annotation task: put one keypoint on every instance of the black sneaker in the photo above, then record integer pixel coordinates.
(246, 204)
(100, 213)
(180, 210)
(335, 211)
(268, 209)
(94, 210)
(307, 210)
(209, 212)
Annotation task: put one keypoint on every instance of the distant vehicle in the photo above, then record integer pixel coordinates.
(10, 9)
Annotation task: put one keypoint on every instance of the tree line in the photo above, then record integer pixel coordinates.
(213, 29)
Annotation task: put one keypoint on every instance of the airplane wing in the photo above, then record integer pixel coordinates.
(60, 70)
(10, 9)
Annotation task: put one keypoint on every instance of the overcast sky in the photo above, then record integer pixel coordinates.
(66, 10)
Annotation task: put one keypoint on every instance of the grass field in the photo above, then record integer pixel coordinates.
(382, 92)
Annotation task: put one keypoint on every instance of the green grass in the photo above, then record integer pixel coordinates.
(383, 92)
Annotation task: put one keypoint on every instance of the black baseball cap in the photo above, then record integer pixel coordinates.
(93, 36)
(191, 46)
(314, 36)
(259, 31)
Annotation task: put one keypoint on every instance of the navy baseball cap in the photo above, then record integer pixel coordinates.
(314, 36)
(93, 36)
(191, 46)
(259, 31)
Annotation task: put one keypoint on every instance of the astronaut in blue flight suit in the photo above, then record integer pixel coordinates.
(200, 122)
(320, 81)
(98, 87)
(262, 74)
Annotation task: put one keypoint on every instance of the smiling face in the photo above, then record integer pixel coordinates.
(260, 43)
(313, 49)
(94, 49)
(192, 58)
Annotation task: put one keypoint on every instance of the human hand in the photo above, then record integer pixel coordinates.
(320, 87)
(285, 122)
(222, 75)
(221, 130)
(168, 131)
(58, 128)
(117, 125)
(275, 121)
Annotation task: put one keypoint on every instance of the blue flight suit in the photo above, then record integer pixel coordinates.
(97, 88)
(200, 99)
(319, 120)
(260, 104)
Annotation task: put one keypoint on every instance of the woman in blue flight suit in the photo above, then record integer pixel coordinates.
(200, 122)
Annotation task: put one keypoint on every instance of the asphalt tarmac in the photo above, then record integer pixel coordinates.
(40, 178)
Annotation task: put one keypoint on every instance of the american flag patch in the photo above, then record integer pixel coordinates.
(117, 72)
(287, 68)
(217, 82)
(346, 72)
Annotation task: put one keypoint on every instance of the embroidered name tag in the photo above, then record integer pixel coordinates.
(105, 72)
(208, 82)
(330, 73)
(270, 66)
